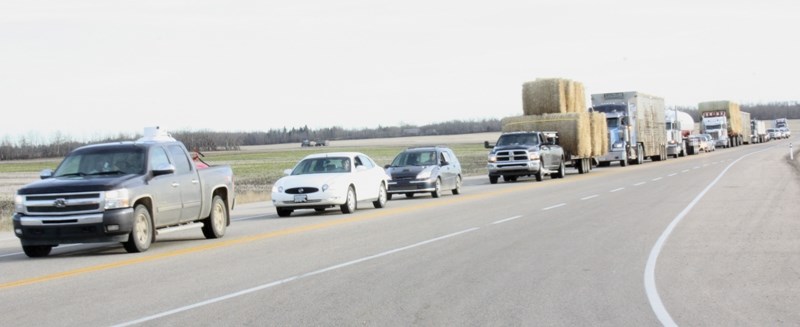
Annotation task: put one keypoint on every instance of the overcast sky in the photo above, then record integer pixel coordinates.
(92, 68)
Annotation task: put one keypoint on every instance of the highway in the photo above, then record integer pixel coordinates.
(707, 240)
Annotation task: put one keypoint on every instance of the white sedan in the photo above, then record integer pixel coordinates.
(327, 180)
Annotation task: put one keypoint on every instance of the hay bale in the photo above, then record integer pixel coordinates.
(599, 127)
(552, 95)
(574, 129)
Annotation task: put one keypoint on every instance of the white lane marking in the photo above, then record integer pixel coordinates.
(590, 197)
(650, 269)
(505, 220)
(555, 206)
(673, 174)
(246, 218)
(685, 171)
(290, 279)
(640, 183)
(58, 247)
(657, 178)
(696, 167)
(616, 190)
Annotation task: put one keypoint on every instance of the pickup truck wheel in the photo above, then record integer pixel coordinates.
(382, 198)
(37, 251)
(561, 171)
(217, 222)
(141, 236)
(283, 212)
(409, 195)
(437, 188)
(350, 203)
(492, 179)
(457, 190)
(540, 174)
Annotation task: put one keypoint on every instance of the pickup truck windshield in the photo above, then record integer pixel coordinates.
(102, 161)
(518, 139)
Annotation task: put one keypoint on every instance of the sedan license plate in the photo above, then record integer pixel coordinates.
(300, 198)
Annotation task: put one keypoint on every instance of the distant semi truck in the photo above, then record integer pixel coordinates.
(722, 120)
(636, 127)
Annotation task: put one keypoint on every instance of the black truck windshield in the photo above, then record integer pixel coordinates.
(518, 139)
(609, 108)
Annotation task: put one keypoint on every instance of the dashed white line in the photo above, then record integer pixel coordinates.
(657, 178)
(505, 220)
(696, 167)
(616, 190)
(555, 206)
(685, 171)
(289, 279)
(640, 183)
(590, 197)
(673, 174)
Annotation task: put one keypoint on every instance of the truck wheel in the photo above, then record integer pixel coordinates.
(217, 222)
(492, 179)
(141, 236)
(640, 155)
(350, 204)
(283, 212)
(437, 188)
(560, 172)
(382, 198)
(457, 190)
(603, 163)
(37, 251)
(540, 174)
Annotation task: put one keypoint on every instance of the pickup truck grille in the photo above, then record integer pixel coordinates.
(60, 204)
(512, 155)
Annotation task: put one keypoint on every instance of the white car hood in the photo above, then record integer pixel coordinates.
(310, 180)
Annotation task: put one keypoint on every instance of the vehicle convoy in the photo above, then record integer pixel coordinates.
(758, 130)
(425, 169)
(326, 180)
(723, 121)
(532, 153)
(127, 192)
(636, 127)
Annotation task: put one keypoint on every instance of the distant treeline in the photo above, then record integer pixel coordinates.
(204, 140)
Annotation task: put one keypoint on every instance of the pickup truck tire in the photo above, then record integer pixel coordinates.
(540, 174)
(492, 179)
(457, 190)
(437, 188)
(349, 205)
(217, 222)
(409, 195)
(37, 251)
(141, 236)
(561, 171)
(382, 198)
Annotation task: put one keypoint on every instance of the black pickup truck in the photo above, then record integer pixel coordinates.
(123, 192)
(519, 154)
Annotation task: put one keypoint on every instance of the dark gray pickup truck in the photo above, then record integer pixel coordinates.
(124, 192)
(519, 154)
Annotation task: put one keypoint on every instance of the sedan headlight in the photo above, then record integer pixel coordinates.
(277, 189)
(116, 199)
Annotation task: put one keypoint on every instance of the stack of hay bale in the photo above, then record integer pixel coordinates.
(731, 109)
(554, 104)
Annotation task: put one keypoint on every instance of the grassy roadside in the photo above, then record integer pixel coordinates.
(254, 171)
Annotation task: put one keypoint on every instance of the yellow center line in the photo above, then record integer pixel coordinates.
(289, 231)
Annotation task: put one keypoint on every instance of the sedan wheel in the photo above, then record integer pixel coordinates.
(350, 204)
(437, 189)
(457, 190)
(382, 198)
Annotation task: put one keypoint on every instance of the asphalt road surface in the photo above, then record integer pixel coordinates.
(706, 240)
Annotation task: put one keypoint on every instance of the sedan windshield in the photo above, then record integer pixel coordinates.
(322, 166)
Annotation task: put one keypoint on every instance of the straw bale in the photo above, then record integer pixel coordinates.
(599, 134)
(552, 95)
(574, 129)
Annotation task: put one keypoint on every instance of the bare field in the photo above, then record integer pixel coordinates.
(394, 141)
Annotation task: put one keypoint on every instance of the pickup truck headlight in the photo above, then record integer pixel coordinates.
(533, 156)
(19, 206)
(116, 199)
(492, 158)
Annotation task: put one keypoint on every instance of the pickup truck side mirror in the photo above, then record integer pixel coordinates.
(487, 145)
(164, 169)
(46, 173)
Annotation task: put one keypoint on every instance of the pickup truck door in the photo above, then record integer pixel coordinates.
(189, 183)
(164, 190)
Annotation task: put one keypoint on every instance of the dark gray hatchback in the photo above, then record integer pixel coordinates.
(428, 169)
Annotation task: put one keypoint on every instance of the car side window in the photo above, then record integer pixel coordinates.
(360, 160)
(182, 164)
(158, 157)
(444, 158)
